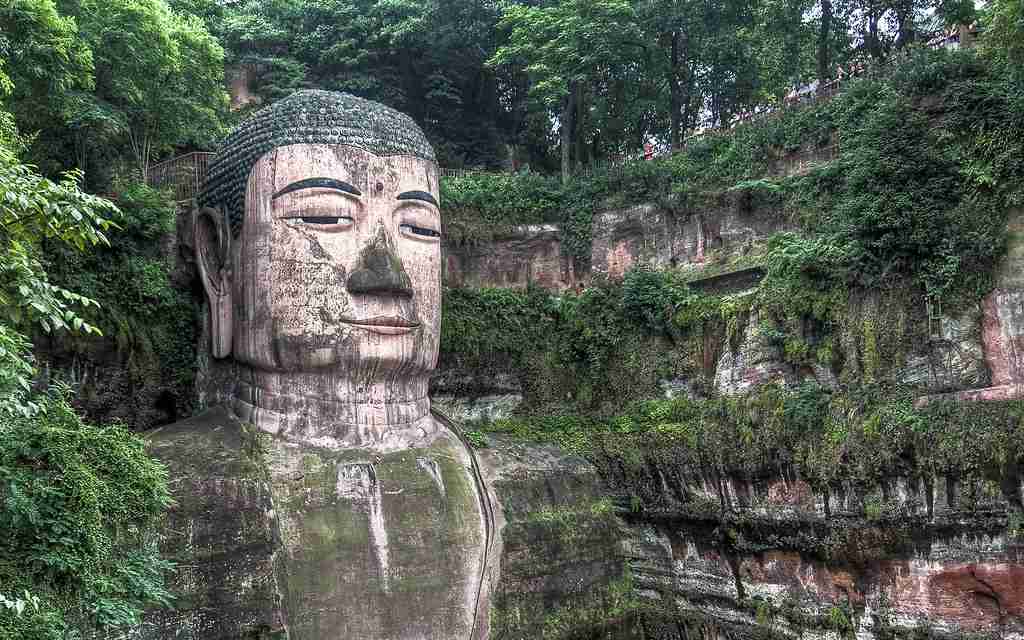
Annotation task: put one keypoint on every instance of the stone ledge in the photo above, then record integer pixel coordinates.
(729, 281)
(988, 394)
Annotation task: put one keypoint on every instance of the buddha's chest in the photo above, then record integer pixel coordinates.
(378, 546)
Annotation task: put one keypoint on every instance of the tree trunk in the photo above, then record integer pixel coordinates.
(581, 123)
(689, 119)
(141, 148)
(905, 32)
(565, 132)
(824, 50)
(874, 45)
(675, 93)
(80, 149)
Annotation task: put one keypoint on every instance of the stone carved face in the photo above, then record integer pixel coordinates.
(338, 264)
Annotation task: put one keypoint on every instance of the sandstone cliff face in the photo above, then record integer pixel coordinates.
(529, 255)
(770, 556)
(724, 231)
(923, 556)
(778, 558)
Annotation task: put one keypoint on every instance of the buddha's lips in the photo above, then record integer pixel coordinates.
(388, 325)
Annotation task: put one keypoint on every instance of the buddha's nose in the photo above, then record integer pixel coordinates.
(379, 270)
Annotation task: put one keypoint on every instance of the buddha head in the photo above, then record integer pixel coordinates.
(318, 242)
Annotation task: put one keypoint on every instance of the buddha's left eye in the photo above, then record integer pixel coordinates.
(420, 231)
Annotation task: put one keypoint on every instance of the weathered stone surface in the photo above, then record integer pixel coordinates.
(562, 572)
(755, 362)
(463, 410)
(680, 388)
(770, 554)
(1002, 326)
(241, 81)
(529, 255)
(794, 595)
(221, 533)
(378, 545)
(1003, 334)
(954, 358)
(652, 236)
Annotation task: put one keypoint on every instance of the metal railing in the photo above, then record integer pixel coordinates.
(183, 174)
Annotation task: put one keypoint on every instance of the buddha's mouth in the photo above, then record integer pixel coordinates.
(385, 325)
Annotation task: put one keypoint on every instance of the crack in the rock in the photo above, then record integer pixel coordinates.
(992, 593)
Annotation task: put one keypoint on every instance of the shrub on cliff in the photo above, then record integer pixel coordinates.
(34, 209)
(929, 157)
(147, 321)
(78, 508)
(77, 503)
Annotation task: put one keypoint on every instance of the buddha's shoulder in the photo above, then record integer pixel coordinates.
(449, 437)
(212, 443)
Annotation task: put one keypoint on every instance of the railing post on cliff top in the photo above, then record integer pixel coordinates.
(195, 175)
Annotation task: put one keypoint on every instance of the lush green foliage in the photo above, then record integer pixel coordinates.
(1004, 37)
(159, 76)
(487, 80)
(34, 209)
(477, 205)
(593, 351)
(424, 58)
(100, 86)
(99, 83)
(930, 160)
(77, 503)
(43, 57)
(78, 507)
(150, 320)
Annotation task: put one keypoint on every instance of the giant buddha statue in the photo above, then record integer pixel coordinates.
(321, 498)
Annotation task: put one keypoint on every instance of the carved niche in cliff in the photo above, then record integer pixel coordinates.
(350, 510)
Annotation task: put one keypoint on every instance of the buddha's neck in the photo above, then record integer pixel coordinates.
(327, 409)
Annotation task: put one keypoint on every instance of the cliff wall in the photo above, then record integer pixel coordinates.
(763, 550)
(657, 546)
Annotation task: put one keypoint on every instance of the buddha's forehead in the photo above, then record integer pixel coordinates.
(363, 169)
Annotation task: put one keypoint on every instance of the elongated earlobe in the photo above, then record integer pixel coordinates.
(213, 254)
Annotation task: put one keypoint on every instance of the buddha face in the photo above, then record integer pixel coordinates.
(338, 263)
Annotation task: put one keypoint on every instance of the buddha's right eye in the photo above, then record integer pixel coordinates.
(325, 219)
(325, 223)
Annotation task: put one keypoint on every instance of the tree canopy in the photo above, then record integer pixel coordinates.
(557, 84)
(107, 86)
(546, 84)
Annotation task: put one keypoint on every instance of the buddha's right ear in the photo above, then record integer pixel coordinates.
(213, 254)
